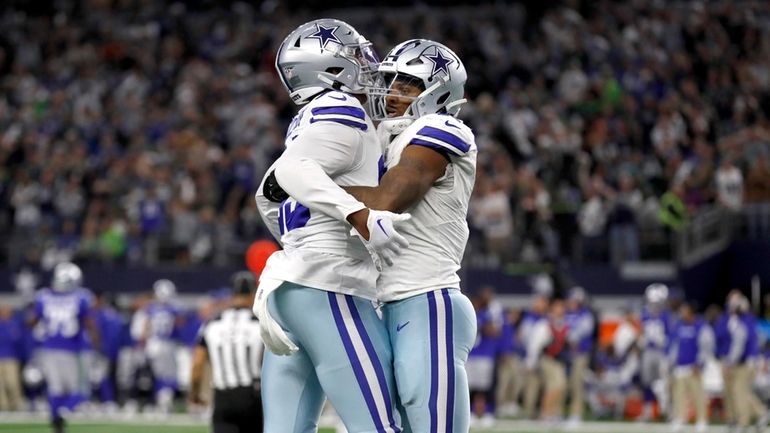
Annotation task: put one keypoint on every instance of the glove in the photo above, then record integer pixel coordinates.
(272, 334)
(384, 243)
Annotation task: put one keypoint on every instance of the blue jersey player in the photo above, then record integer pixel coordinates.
(656, 331)
(63, 312)
(159, 336)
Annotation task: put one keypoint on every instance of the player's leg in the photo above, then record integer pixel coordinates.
(292, 397)
(164, 370)
(432, 335)
(62, 376)
(577, 385)
(349, 348)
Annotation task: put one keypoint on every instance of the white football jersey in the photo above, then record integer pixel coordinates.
(438, 230)
(332, 132)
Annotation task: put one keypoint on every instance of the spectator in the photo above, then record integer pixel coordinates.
(758, 199)
(729, 185)
(581, 327)
(11, 397)
(510, 377)
(553, 363)
(533, 344)
(691, 346)
(481, 360)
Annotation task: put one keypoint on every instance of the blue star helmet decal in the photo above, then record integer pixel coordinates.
(325, 35)
(440, 63)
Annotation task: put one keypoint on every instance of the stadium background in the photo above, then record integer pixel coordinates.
(133, 135)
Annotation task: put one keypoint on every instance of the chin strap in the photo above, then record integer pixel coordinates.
(455, 104)
(396, 126)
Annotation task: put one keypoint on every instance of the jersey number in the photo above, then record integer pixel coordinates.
(292, 215)
(61, 321)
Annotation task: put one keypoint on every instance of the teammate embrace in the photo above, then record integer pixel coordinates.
(368, 216)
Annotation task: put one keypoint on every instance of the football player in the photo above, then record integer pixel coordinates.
(63, 312)
(656, 331)
(159, 339)
(314, 300)
(429, 171)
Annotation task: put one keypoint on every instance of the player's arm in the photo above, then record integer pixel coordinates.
(405, 184)
(305, 170)
(93, 333)
(89, 322)
(200, 359)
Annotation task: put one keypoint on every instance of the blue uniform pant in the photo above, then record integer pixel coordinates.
(344, 354)
(431, 335)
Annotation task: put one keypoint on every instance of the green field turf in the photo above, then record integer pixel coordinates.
(188, 426)
(34, 427)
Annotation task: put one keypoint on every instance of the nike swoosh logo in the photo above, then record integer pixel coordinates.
(450, 124)
(379, 223)
(339, 99)
(401, 326)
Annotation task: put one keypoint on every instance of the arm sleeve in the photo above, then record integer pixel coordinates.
(268, 210)
(673, 352)
(583, 328)
(200, 340)
(306, 168)
(738, 337)
(706, 343)
(537, 342)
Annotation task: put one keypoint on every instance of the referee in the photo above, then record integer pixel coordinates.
(231, 343)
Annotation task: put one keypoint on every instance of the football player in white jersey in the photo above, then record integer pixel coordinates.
(320, 288)
(430, 157)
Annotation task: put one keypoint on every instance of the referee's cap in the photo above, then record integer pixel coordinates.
(244, 283)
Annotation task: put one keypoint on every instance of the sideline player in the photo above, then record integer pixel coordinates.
(64, 312)
(656, 333)
(430, 157)
(320, 287)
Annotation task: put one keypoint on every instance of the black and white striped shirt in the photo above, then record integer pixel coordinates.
(234, 347)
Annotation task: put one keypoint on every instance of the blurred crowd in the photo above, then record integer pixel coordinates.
(137, 132)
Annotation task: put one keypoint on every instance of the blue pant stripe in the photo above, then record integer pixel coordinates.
(375, 360)
(450, 362)
(354, 361)
(433, 401)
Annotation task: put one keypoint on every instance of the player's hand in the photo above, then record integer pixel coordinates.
(385, 243)
(273, 336)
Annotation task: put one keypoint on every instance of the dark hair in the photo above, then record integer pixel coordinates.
(243, 283)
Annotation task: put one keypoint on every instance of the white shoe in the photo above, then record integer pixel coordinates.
(676, 426)
(762, 422)
(573, 423)
(475, 421)
(701, 427)
(508, 410)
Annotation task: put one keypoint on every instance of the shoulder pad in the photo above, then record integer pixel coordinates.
(338, 107)
(443, 133)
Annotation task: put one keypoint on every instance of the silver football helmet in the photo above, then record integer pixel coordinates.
(430, 66)
(66, 277)
(325, 54)
(656, 294)
(164, 290)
